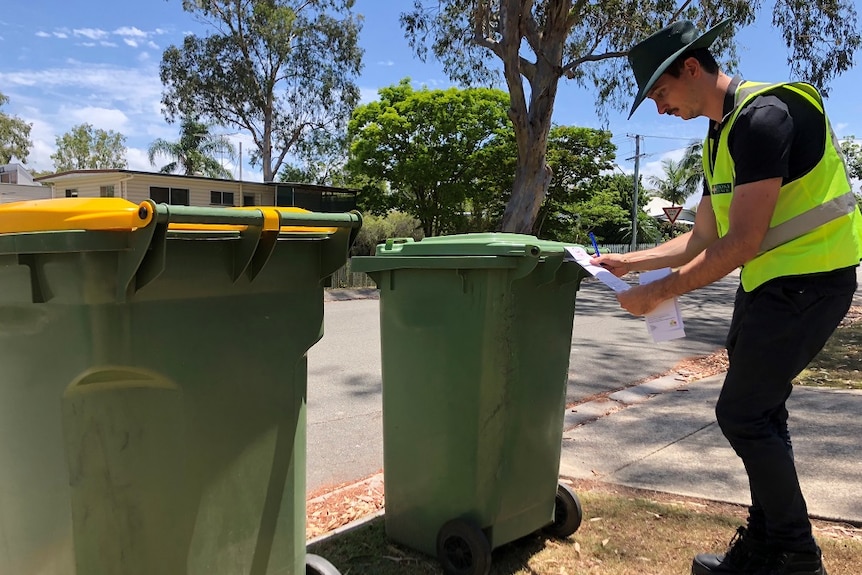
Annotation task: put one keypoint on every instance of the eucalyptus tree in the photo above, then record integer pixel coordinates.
(277, 69)
(14, 136)
(87, 148)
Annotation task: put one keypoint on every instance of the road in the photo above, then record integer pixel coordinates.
(610, 350)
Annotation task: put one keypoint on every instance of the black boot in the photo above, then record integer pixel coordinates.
(745, 554)
(793, 563)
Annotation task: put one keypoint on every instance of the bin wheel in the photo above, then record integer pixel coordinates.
(568, 513)
(317, 565)
(463, 549)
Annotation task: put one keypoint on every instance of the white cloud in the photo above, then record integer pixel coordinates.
(386, 63)
(367, 95)
(91, 33)
(61, 35)
(137, 160)
(130, 31)
(106, 44)
(100, 118)
(41, 34)
(144, 57)
(131, 42)
(152, 45)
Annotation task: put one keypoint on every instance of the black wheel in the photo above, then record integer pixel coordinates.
(567, 513)
(463, 549)
(317, 565)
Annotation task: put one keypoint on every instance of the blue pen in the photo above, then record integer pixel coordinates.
(595, 245)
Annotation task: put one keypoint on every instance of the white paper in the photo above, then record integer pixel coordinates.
(579, 255)
(664, 323)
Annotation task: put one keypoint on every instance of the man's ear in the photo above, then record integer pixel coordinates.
(692, 67)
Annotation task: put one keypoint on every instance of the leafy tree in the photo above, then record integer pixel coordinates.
(676, 183)
(376, 229)
(276, 68)
(14, 136)
(86, 148)
(319, 159)
(424, 143)
(194, 152)
(853, 158)
(576, 157)
(537, 42)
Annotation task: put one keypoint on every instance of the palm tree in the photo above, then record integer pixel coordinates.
(194, 153)
(681, 179)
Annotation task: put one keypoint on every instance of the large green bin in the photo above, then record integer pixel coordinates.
(476, 334)
(153, 385)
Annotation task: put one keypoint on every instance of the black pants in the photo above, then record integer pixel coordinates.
(776, 330)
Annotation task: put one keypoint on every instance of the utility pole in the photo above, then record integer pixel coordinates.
(637, 159)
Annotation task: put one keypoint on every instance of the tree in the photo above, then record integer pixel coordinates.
(537, 42)
(86, 148)
(852, 151)
(194, 153)
(576, 156)
(14, 136)
(276, 68)
(676, 184)
(426, 144)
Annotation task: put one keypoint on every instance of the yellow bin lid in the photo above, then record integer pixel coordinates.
(118, 214)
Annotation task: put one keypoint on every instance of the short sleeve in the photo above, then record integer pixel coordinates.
(761, 139)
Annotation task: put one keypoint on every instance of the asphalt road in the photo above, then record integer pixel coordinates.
(610, 350)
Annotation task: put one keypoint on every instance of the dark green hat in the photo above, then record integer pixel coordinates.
(650, 58)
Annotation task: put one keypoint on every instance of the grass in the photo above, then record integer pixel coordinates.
(839, 364)
(624, 532)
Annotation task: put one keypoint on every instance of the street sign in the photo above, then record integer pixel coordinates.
(672, 213)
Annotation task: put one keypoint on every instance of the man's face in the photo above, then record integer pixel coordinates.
(676, 96)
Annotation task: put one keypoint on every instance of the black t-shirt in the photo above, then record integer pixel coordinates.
(777, 134)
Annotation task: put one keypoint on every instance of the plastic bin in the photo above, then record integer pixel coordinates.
(476, 334)
(153, 385)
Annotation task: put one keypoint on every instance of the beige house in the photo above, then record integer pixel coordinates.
(196, 190)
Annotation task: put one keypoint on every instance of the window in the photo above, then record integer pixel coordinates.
(221, 198)
(174, 196)
(248, 200)
(106, 191)
(8, 177)
(73, 193)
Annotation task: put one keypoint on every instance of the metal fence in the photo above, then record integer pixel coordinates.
(344, 278)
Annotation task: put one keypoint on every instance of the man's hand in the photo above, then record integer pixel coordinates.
(640, 300)
(617, 264)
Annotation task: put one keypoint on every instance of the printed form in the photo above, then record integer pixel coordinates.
(664, 323)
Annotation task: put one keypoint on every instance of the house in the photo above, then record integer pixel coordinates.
(196, 190)
(16, 185)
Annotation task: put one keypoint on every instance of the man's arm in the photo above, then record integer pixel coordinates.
(750, 215)
(673, 253)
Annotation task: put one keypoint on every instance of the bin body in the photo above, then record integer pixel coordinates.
(475, 353)
(158, 429)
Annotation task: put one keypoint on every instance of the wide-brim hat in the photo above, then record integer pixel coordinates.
(650, 58)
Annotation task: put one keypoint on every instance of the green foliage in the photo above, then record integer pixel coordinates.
(279, 69)
(14, 136)
(852, 151)
(681, 178)
(577, 156)
(376, 229)
(86, 148)
(194, 153)
(428, 146)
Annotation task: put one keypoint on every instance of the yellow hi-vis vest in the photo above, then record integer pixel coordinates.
(816, 225)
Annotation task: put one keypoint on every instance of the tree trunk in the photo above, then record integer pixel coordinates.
(532, 179)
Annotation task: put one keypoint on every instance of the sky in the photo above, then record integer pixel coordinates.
(65, 63)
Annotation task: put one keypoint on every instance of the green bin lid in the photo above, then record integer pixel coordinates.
(479, 244)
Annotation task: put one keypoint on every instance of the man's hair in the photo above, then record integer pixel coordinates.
(702, 55)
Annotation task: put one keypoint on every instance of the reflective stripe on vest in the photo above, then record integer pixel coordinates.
(805, 222)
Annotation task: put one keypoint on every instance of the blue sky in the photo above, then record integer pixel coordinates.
(67, 63)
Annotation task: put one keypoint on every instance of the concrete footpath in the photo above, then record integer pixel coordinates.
(662, 435)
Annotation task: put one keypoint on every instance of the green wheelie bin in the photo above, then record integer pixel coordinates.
(476, 334)
(153, 385)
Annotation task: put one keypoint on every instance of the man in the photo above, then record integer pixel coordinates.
(778, 204)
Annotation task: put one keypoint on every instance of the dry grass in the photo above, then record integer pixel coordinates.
(625, 532)
(839, 364)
